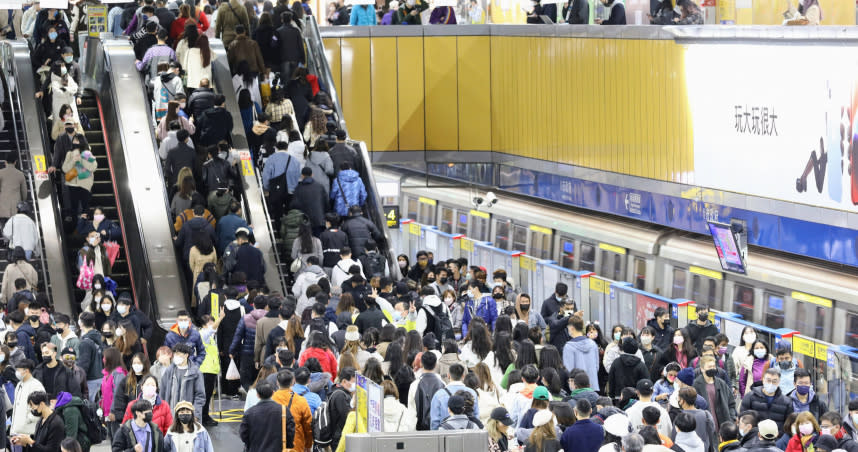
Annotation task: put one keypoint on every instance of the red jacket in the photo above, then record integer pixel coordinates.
(162, 416)
(794, 444)
(325, 357)
(178, 25)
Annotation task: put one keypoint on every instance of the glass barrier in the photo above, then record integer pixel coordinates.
(732, 325)
(409, 232)
(468, 250)
(820, 359)
(600, 306)
(444, 245)
(643, 305)
(842, 384)
(549, 274)
(495, 258)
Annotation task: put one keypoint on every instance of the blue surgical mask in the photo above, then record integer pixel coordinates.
(396, 316)
(769, 388)
(68, 59)
(52, 35)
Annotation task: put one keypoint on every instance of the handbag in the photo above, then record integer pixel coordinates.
(71, 175)
(84, 279)
(112, 250)
(284, 409)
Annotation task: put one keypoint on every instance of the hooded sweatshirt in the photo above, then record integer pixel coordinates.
(309, 275)
(433, 302)
(689, 442)
(582, 353)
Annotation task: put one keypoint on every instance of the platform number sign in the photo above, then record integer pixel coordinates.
(40, 170)
(391, 213)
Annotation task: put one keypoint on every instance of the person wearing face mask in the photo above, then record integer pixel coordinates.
(722, 405)
(211, 364)
(660, 323)
(614, 348)
(440, 281)
(479, 305)
(787, 366)
(183, 381)
(261, 428)
(65, 336)
(186, 430)
(139, 433)
(54, 375)
(805, 433)
(23, 423)
(49, 429)
(701, 328)
(184, 332)
(803, 397)
(754, 366)
(340, 403)
(831, 424)
(651, 353)
(581, 352)
(664, 387)
(553, 304)
(768, 400)
(48, 51)
(523, 311)
(125, 311)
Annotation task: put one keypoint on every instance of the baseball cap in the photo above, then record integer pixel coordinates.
(644, 385)
(68, 351)
(768, 429)
(502, 415)
(541, 393)
(456, 404)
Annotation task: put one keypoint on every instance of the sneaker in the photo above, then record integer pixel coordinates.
(210, 422)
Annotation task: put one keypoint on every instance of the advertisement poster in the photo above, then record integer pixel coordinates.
(769, 122)
(370, 417)
(360, 402)
(646, 307)
(97, 20)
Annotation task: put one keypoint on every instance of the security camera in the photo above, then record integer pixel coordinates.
(477, 202)
(491, 199)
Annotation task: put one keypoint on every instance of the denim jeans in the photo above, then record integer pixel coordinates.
(94, 386)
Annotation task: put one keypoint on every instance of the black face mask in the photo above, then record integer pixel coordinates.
(147, 418)
(443, 280)
(524, 307)
(497, 296)
(703, 316)
(711, 372)
(35, 413)
(431, 280)
(107, 334)
(33, 318)
(12, 344)
(69, 130)
(186, 418)
(59, 330)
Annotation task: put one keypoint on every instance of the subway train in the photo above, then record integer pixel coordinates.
(781, 291)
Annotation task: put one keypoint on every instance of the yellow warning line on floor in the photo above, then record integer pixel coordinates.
(233, 415)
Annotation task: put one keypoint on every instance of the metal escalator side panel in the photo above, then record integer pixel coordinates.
(255, 209)
(141, 193)
(317, 60)
(16, 58)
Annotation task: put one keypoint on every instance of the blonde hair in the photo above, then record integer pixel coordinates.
(493, 428)
(542, 433)
(806, 416)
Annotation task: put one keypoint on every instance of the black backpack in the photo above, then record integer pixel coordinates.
(375, 264)
(95, 431)
(323, 430)
(438, 322)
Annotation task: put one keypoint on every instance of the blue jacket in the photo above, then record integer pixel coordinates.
(245, 334)
(583, 436)
(24, 333)
(363, 15)
(487, 309)
(193, 339)
(225, 230)
(438, 409)
(202, 441)
(582, 353)
(313, 399)
(352, 188)
(276, 165)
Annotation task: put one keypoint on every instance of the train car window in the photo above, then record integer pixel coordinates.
(502, 236)
(811, 319)
(540, 245)
(743, 302)
(567, 253)
(461, 222)
(619, 273)
(851, 332)
(640, 273)
(679, 283)
(704, 290)
(519, 238)
(775, 310)
(412, 208)
(588, 257)
(604, 265)
(447, 216)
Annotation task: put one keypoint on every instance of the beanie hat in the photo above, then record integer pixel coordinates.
(686, 376)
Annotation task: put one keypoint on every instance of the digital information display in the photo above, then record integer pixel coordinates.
(727, 246)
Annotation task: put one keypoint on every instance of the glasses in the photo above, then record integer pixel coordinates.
(771, 382)
(70, 358)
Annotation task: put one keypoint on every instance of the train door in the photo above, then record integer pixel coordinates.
(448, 219)
(480, 226)
(519, 237)
(639, 272)
(812, 315)
(411, 207)
(540, 242)
(612, 262)
(566, 252)
(461, 222)
(744, 301)
(588, 257)
(679, 283)
(600, 308)
(706, 286)
(426, 211)
(502, 233)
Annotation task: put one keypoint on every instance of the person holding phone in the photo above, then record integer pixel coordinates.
(50, 429)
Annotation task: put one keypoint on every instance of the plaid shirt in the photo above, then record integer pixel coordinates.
(276, 112)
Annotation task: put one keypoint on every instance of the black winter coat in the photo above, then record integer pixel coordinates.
(217, 171)
(360, 230)
(181, 156)
(87, 355)
(333, 240)
(312, 199)
(626, 371)
(201, 100)
(371, 318)
(725, 403)
(141, 323)
(697, 333)
(124, 439)
(49, 434)
(291, 45)
(261, 429)
(64, 379)
(342, 152)
(270, 53)
(663, 337)
(778, 410)
(300, 94)
(340, 405)
(215, 125)
(578, 13)
(249, 260)
(196, 225)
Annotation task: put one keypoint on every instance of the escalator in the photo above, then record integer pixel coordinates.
(24, 134)
(317, 64)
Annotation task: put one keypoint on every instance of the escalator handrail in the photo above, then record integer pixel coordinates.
(316, 53)
(375, 210)
(57, 291)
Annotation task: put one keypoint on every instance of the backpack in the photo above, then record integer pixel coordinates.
(323, 429)
(95, 431)
(376, 264)
(438, 322)
(98, 358)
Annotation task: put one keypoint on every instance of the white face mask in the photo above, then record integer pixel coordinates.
(106, 307)
(19, 375)
(138, 368)
(96, 286)
(760, 353)
(93, 241)
(854, 416)
(122, 309)
(178, 360)
(183, 325)
(646, 340)
(120, 331)
(750, 338)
